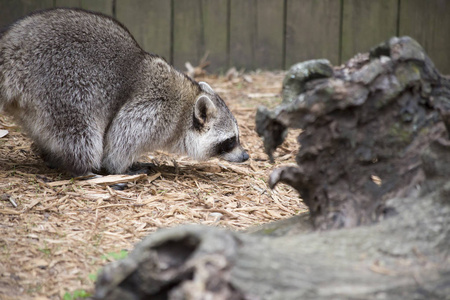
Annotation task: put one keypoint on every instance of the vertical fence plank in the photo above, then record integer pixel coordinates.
(269, 50)
(242, 33)
(312, 30)
(102, 6)
(428, 22)
(11, 10)
(150, 23)
(256, 34)
(68, 3)
(366, 24)
(215, 30)
(187, 32)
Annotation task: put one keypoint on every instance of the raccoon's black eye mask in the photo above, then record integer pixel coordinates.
(226, 146)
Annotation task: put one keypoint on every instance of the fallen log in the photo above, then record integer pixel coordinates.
(403, 257)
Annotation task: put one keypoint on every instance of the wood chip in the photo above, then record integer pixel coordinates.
(262, 95)
(6, 211)
(104, 180)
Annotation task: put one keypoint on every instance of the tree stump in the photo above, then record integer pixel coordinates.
(365, 126)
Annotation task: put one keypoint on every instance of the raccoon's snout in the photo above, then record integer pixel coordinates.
(231, 150)
(237, 155)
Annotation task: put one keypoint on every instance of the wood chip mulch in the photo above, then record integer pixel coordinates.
(56, 233)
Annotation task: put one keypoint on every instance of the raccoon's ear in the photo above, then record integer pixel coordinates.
(204, 109)
(206, 87)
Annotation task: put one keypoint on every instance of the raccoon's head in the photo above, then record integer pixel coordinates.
(214, 131)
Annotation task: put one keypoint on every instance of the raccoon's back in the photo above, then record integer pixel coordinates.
(69, 58)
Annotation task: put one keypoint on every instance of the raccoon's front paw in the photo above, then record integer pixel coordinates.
(119, 186)
(141, 168)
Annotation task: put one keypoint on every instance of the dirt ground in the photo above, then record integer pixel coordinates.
(57, 233)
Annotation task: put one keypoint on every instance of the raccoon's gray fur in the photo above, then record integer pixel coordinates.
(90, 98)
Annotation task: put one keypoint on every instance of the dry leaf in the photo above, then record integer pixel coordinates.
(3, 132)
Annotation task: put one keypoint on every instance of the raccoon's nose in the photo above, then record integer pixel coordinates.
(245, 156)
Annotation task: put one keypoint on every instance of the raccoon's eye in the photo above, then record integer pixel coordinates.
(226, 146)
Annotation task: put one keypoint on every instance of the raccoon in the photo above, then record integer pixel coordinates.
(91, 98)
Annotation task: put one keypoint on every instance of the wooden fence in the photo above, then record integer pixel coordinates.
(266, 34)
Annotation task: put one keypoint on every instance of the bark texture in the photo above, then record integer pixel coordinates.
(374, 161)
(365, 126)
(403, 257)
